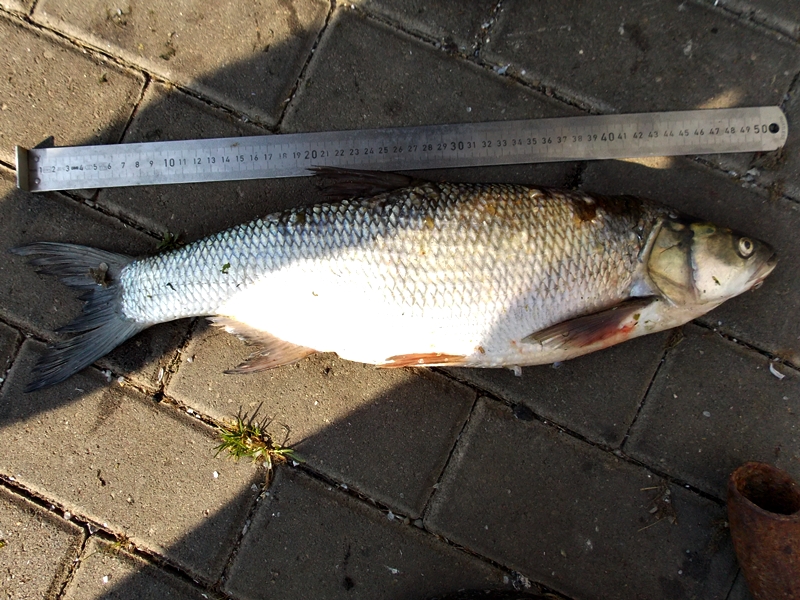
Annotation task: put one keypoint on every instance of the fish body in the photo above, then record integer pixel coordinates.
(481, 275)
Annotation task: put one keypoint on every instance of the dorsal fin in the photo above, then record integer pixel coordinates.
(273, 352)
(339, 184)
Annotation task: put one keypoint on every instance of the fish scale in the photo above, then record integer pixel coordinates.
(433, 273)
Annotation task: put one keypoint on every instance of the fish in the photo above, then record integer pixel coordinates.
(401, 272)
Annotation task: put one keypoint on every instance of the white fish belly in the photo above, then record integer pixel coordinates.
(357, 315)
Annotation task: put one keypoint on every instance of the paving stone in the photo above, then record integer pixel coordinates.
(307, 540)
(577, 519)
(349, 86)
(595, 395)
(713, 406)
(454, 25)
(9, 338)
(115, 457)
(246, 56)
(36, 549)
(764, 317)
(107, 572)
(49, 88)
(356, 423)
(194, 210)
(41, 304)
(779, 14)
(778, 171)
(669, 55)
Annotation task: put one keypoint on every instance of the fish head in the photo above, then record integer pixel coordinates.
(696, 262)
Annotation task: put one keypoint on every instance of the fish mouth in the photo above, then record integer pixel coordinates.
(761, 274)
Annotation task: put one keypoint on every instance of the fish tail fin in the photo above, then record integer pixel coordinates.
(101, 327)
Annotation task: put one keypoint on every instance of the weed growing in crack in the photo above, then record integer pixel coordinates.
(246, 436)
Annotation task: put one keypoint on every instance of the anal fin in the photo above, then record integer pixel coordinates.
(423, 360)
(273, 352)
(612, 325)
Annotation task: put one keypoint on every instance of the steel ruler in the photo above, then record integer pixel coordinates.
(404, 148)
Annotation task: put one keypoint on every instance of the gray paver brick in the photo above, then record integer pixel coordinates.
(577, 519)
(358, 424)
(456, 24)
(349, 84)
(713, 406)
(764, 317)
(49, 88)
(309, 541)
(108, 572)
(41, 303)
(36, 549)
(110, 455)
(779, 171)
(8, 343)
(595, 395)
(668, 55)
(246, 56)
(195, 210)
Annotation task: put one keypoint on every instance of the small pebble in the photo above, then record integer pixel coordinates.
(706, 413)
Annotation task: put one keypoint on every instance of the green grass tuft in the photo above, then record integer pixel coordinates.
(247, 437)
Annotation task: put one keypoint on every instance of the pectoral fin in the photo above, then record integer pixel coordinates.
(611, 325)
(273, 352)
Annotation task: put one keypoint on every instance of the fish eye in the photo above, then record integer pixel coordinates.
(745, 247)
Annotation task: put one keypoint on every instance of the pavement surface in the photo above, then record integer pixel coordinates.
(601, 479)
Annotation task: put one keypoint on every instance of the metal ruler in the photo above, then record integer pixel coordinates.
(404, 148)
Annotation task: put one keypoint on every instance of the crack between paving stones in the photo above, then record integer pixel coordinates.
(92, 528)
(14, 355)
(674, 339)
(478, 41)
(301, 75)
(248, 520)
(87, 526)
(72, 568)
(100, 55)
(748, 17)
(729, 596)
(176, 361)
(161, 563)
(414, 34)
(136, 106)
(772, 357)
(10, 166)
(617, 452)
(435, 488)
(375, 504)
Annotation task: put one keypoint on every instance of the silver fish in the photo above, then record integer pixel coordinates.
(428, 274)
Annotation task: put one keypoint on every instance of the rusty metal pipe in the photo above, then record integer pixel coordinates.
(764, 515)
